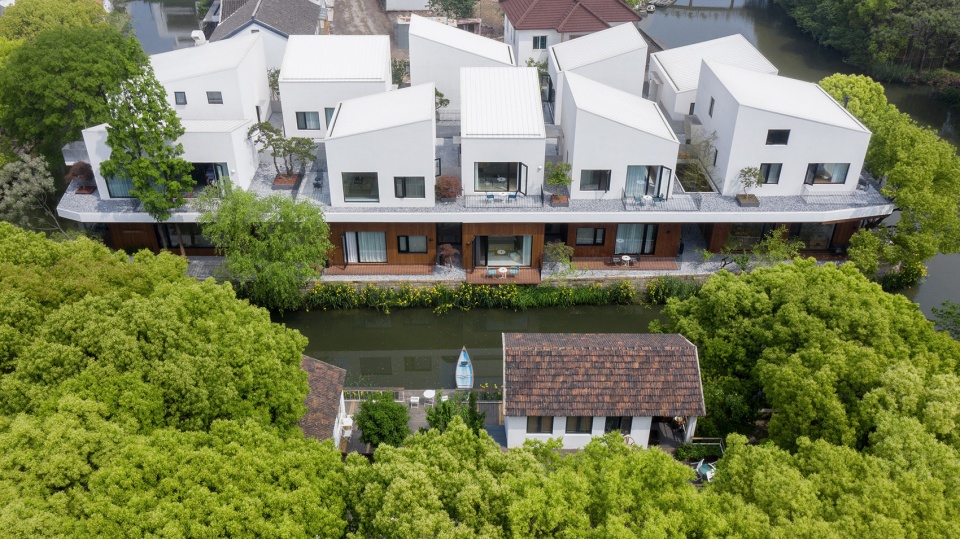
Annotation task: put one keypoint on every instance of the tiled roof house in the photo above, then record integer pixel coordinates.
(324, 400)
(276, 19)
(577, 386)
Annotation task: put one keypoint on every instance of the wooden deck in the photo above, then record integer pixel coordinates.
(380, 269)
(526, 276)
(638, 264)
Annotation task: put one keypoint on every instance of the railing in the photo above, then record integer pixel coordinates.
(496, 201)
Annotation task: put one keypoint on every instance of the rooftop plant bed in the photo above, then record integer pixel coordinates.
(692, 178)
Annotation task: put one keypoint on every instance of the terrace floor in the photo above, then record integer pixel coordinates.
(380, 269)
(480, 275)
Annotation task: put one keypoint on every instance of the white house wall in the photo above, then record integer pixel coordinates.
(95, 139)
(440, 64)
(254, 86)
(274, 45)
(529, 151)
(675, 104)
(315, 96)
(227, 82)
(401, 151)
(625, 72)
(522, 44)
(516, 428)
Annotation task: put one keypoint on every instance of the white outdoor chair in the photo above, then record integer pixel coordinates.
(414, 402)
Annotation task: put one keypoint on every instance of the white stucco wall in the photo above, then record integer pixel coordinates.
(624, 72)
(522, 44)
(676, 104)
(315, 96)
(437, 63)
(741, 142)
(516, 428)
(401, 151)
(529, 151)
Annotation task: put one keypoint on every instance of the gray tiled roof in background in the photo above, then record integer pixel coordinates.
(289, 17)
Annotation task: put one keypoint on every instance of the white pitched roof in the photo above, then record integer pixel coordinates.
(342, 58)
(500, 102)
(384, 111)
(682, 64)
(598, 46)
(207, 58)
(619, 106)
(459, 39)
(783, 95)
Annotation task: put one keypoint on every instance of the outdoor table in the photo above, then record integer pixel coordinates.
(502, 272)
(626, 260)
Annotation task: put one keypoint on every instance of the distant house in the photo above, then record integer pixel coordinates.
(320, 71)
(533, 26)
(277, 20)
(675, 73)
(616, 57)
(438, 51)
(579, 386)
(324, 401)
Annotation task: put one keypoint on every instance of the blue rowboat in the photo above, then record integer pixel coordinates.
(464, 371)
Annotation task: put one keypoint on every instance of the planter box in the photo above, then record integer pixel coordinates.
(86, 189)
(286, 183)
(748, 201)
(560, 201)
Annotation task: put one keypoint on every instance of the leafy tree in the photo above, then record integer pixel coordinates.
(290, 151)
(57, 84)
(273, 245)
(142, 137)
(454, 9)
(441, 415)
(439, 101)
(28, 18)
(398, 70)
(948, 318)
(382, 421)
(27, 195)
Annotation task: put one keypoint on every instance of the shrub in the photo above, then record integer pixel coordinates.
(382, 421)
(448, 187)
(661, 289)
(687, 451)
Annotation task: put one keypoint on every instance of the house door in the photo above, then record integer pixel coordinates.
(522, 179)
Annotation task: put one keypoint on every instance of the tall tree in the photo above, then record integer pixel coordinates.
(142, 136)
(273, 245)
(27, 195)
(381, 420)
(28, 18)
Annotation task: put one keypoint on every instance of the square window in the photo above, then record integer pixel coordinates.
(595, 180)
(539, 42)
(581, 424)
(590, 236)
(180, 98)
(712, 103)
(539, 425)
(409, 187)
(308, 121)
(412, 244)
(778, 137)
(826, 173)
(770, 172)
(360, 187)
(215, 98)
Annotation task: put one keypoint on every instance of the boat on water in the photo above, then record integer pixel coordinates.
(651, 8)
(464, 373)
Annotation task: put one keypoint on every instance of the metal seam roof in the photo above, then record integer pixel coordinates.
(500, 102)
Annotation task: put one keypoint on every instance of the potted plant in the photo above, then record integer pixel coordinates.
(448, 188)
(750, 178)
(558, 177)
(290, 152)
(83, 173)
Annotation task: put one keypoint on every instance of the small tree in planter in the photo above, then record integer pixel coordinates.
(750, 178)
(559, 256)
(448, 188)
(558, 177)
(289, 151)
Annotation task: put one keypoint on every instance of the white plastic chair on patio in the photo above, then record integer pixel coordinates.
(414, 402)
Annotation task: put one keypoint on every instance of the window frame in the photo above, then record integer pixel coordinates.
(710, 111)
(539, 43)
(180, 98)
(578, 426)
(302, 120)
(767, 174)
(599, 236)
(603, 183)
(214, 98)
(811, 175)
(544, 424)
(774, 136)
(361, 176)
(400, 187)
(403, 244)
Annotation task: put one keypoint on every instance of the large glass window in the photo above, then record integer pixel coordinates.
(120, 188)
(744, 236)
(500, 177)
(503, 250)
(618, 424)
(372, 246)
(635, 239)
(770, 172)
(778, 137)
(192, 238)
(827, 173)
(594, 180)
(590, 236)
(360, 187)
(412, 244)
(308, 121)
(409, 187)
(539, 424)
(815, 236)
(647, 181)
(579, 424)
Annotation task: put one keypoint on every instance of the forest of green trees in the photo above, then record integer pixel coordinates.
(137, 401)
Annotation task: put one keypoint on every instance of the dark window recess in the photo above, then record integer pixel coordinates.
(710, 112)
(778, 137)
(409, 187)
(579, 424)
(595, 180)
(215, 98)
(590, 236)
(180, 98)
(539, 42)
(412, 244)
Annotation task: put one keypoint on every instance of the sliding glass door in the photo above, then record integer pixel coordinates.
(648, 181)
(364, 247)
(500, 177)
(635, 239)
(503, 250)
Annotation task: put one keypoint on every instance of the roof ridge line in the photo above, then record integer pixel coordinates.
(527, 12)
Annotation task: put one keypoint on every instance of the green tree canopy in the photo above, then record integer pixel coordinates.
(381, 420)
(55, 86)
(28, 18)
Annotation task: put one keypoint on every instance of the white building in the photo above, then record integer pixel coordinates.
(275, 20)
(802, 140)
(533, 26)
(675, 73)
(617, 143)
(616, 57)
(320, 71)
(216, 81)
(579, 386)
(438, 51)
(503, 140)
(381, 149)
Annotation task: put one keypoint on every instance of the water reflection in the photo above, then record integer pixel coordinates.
(417, 349)
(163, 25)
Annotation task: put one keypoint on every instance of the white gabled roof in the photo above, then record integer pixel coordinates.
(384, 111)
(500, 102)
(459, 39)
(598, 46)
(682, 64)
(338, 58)
(619, 106)
(207, 58)
(783, 95)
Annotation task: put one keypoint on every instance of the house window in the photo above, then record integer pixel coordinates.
(502, 250)
(412, 244)
(647, 181)
(500, 177)
(595, 180)
(692, 106)
(436, 167)
(308, 121)
(539, 424)
(710, 112)
(328, 115)
(744, 236)
(360, 187)
(190, 232)
(590, 236)
(180, 98)
(815, 236)
(770, 172)
(409, 187)
(215, 98)
(539, 42)
(778, 137)
(579, 424)
(635, 239)
(119, 188)
(618, 424)
(826, 173)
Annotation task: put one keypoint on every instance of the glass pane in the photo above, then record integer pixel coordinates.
(415, 187)
(402, 244)
(579, 424)
(372, 246)
(585, 236)
(417, 244)
(328, 112)
(593, 180)
(815, 236)
(360, 187)
(611, 424)
(650, 239)
(629, 239)
(636, 180)
(771, 172)
(119, 188)
(495, 177)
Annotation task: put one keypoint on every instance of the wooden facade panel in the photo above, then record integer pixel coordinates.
(134, 236)
(716, 235)
(843, 232)
(392, 231)
(591, 251)
(668, 240)
(472, 230)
